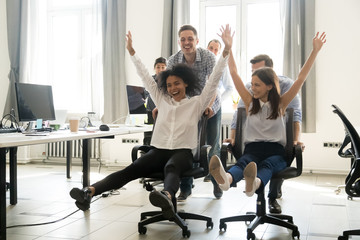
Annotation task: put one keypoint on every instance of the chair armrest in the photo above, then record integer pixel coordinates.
(225, 149)
(299, 160)
(204, 152)
(136, 149)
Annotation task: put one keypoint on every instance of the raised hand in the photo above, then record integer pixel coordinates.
(129, 45)
(318, 41)
(226, 36)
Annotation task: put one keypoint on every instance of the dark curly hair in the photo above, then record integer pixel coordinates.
(267, 76)
(184, 72)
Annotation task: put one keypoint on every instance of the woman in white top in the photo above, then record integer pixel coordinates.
(264, 129)
(175, 132)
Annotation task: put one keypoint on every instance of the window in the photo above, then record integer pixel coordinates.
(68, 53)
(257, 31)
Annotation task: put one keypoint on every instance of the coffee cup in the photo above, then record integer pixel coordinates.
(74, 125)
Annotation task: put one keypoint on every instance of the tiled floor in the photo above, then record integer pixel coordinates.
(43, 197)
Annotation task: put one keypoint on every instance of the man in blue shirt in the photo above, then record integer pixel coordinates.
(285, 83)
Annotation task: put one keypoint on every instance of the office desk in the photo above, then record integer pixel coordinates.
(12, 141)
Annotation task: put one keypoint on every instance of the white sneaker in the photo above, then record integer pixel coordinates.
(218, 172)
(251, 182)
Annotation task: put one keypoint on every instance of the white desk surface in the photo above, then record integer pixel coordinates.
(20, 139)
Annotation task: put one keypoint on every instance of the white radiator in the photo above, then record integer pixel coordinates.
(59, 149)
(225, 131)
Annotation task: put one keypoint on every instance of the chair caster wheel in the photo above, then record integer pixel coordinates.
(349, 197)
(251, 236)
(142, 230)
(210, 225)
(343, 238)
(223, 226)
(186, 233)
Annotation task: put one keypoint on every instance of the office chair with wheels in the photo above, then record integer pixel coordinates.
(261, 217)
(200, 169)
(352, 181)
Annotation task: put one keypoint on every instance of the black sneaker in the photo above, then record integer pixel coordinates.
(82, 206)
(82, 197)
(161, 200)
(217, 191)
(274, 206)
(183, 196)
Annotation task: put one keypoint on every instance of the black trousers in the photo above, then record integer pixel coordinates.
(171, 162)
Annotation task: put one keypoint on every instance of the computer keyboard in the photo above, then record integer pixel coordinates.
(8, 130)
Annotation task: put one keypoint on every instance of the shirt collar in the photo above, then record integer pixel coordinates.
(197, 56)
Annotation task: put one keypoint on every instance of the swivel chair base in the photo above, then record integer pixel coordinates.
(179, 218)
(260, 217)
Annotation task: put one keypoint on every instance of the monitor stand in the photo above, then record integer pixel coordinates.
(31, 128)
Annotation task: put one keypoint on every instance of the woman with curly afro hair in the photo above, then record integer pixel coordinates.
(175, 133)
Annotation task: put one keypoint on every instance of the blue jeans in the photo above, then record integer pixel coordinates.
(269, 158)
(213, 134)
(213, 139)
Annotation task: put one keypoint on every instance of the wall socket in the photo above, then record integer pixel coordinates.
(130, 140)
(332, 144)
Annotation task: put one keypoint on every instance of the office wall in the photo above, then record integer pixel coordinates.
(4, 56)
(145, 24)
(337, 82)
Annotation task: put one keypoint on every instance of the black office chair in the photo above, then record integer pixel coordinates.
(352, 181)
(261, 217)
(199, 170)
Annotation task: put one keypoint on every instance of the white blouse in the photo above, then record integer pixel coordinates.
(258, 128)
(177, 122)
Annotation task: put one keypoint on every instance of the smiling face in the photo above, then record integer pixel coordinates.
(176, 88)
(260, 89)
(188, 41)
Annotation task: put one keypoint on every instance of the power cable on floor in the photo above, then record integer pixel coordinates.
(106, 194)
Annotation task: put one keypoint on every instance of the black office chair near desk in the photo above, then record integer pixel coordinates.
(352, 181)
(261, 217)
(199, 170)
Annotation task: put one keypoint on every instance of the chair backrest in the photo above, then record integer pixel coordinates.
(201, 136)
(238, 148)
(350, 130)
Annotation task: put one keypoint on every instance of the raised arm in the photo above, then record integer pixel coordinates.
(129, 45)
(227, 38)
(147, 79)
(318, 42)
(238, 83)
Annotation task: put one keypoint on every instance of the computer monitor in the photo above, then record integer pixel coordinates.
(34, 102)
(137, 98)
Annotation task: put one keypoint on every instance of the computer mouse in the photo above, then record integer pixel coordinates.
(104, 127)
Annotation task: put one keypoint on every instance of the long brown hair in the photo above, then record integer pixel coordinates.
(267, 76)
